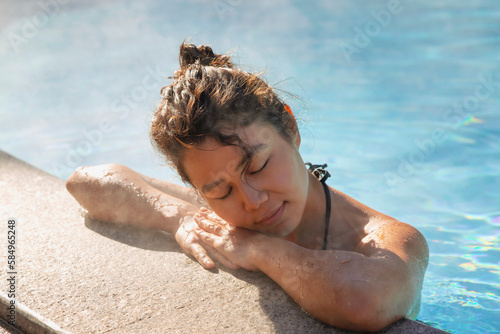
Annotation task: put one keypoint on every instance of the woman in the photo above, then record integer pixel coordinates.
(236, 143)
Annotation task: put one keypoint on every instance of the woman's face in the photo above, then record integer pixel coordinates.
(270, 196)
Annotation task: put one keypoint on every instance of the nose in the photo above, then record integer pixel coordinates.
(252, 197)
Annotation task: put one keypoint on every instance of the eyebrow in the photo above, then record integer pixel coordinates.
(255, 149)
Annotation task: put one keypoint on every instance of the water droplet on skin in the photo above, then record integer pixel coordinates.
(83, 212)
(109, 173)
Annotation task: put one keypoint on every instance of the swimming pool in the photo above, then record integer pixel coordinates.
(401, 99)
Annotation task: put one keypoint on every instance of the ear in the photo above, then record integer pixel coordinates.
(295, 131)
(293, 126)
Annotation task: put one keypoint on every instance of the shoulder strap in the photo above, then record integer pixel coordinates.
(322, 174)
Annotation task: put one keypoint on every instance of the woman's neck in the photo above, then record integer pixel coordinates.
(310, 232)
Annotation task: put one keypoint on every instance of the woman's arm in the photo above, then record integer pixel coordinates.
(117, 194)
(349, 289)
(184, 193)
(366, 289)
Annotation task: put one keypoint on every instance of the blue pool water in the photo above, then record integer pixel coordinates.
(401, 99)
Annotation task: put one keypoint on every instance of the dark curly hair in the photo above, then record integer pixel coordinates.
(210, 97)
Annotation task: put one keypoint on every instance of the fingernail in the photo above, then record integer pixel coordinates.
(203, 209)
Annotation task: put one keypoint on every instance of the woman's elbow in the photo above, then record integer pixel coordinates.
(375, 317)
(86, 180)
(367, 311)
(75, 180)
(87, 186)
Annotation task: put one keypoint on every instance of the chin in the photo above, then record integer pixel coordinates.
(285, 229)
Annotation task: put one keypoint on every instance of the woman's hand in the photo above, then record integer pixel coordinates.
(191, 244)
(230, 245)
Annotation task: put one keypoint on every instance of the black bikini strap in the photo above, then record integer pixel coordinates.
(328, 211)
(322, 174)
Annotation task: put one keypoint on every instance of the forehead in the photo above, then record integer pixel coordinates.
(254, 134)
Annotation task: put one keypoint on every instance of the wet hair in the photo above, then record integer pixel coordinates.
(211, 97)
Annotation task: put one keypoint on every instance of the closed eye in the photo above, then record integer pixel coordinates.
(264, 166)
(226, 195)
(251, 173)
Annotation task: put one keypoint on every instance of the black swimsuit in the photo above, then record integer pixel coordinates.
(322, 174)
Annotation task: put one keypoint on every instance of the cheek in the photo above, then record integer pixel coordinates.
(225, 210)
(283, 180)
(290, 177)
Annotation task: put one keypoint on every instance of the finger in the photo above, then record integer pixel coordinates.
(223, 260)
(206, 261)
(205, 236)
(202, 257)
(210, 240)
(208, 225)
(212, 216)
(204, 209)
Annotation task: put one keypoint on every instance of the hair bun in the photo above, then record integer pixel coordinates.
(203, 54)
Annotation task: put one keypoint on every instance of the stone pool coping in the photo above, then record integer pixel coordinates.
(78, 275)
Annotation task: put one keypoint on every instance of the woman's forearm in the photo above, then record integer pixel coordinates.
(333, 286)
(117, 194)
(183, 193)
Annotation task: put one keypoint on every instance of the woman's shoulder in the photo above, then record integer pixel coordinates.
(403, 240)
(378, 231)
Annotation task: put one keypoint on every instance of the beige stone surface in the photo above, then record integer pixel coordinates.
(88, 276)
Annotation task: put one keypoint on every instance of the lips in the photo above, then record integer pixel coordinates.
(272, 217)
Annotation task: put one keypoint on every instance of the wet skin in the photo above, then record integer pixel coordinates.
(273, 196)
(270, 217)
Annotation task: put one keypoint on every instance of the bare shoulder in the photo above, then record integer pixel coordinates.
(372, 233)
(385, 234)
(375, 234)
(395, 257)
